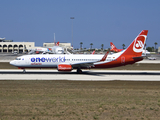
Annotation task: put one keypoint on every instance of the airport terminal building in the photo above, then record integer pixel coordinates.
(7, 46)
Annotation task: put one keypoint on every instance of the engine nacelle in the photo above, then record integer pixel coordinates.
(64, 67)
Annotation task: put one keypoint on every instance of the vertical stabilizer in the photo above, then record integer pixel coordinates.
(112, 46)
(136, 47)
(57, 44)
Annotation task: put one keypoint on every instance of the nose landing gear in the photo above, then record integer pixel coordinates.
(24, 71)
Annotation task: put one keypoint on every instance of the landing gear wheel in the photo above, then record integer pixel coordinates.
(79, 71)
(24, 71)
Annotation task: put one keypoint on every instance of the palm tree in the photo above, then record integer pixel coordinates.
(102, 46)
(91, 45)
(155, 45)
(81, 45)
(123, 46)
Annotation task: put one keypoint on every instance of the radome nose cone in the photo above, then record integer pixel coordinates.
(12, 63)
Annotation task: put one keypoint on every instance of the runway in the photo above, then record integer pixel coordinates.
(87, 75)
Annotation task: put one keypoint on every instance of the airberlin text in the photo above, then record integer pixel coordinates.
(53, 59)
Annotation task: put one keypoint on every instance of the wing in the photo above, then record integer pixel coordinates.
(89, 63)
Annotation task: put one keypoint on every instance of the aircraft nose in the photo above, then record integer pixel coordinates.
(12, 62)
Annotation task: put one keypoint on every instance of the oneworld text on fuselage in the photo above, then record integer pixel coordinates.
(53, 59)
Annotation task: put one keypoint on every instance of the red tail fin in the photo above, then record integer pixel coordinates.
(112, 46)
(57, 44)
(136, 47)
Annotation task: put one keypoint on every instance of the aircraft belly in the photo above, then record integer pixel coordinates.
(38, 65)
(44, 65)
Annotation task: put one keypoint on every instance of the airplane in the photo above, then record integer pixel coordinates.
(114, 49)
(64, 62)
(42, 50)
(145, 53)
(2, 38)
(52, 50)
(39, 51)
(57, 50)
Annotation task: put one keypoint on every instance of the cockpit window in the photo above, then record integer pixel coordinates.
(18, 58)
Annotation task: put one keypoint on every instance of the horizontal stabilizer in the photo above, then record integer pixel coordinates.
(140, 57)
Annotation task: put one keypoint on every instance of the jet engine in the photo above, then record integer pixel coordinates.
(64, 67)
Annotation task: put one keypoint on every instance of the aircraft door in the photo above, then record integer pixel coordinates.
(123, 60)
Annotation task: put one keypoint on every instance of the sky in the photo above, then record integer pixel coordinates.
(95, 21)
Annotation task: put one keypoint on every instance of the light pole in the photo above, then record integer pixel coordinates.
(72, 18)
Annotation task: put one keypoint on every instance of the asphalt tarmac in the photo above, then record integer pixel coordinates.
(87, 75)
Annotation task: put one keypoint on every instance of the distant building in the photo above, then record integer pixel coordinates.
(64, 45)
(20, 47)
(159, 50)
(7, 46)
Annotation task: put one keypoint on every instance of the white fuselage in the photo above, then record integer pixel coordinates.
(52, 60)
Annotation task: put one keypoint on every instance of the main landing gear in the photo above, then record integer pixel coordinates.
(79, 70)
(24, 71)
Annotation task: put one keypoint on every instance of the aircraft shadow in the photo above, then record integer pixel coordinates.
(83, 73)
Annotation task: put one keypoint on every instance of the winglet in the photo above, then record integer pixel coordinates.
(93, 52)
(104, 57)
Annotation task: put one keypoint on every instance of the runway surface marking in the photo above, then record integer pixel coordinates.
(87, 75)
